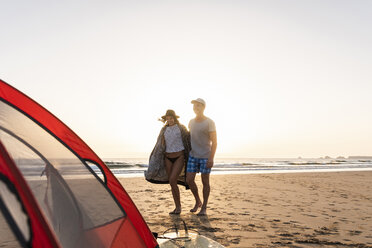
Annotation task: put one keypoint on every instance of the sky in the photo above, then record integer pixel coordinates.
(281, 78)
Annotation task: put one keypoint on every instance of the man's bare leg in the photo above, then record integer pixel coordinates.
(190, 179)
(206, 191)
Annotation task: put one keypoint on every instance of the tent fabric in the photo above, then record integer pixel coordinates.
(44, 237)
(133, 223)
(9, 237)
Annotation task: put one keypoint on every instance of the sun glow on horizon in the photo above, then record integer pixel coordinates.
(280, 79)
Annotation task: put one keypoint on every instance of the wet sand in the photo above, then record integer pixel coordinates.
(269, 210)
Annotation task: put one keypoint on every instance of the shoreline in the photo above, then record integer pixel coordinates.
(247, 172)
(269, 210)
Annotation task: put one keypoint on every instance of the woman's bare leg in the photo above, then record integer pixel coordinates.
(173, 171)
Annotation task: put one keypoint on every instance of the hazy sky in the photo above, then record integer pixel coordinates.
(281, 78)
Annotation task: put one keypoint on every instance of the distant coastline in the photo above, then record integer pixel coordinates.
(360, 157)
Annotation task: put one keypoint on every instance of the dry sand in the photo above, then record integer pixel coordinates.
(269, 210)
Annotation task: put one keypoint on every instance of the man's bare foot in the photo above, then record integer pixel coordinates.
(175, 211)
(202, 212)
(197, 205)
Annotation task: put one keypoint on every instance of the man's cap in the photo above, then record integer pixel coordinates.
(199, 100)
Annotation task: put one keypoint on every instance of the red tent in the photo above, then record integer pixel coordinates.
(51, 194)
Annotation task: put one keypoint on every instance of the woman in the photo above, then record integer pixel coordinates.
(170, 154)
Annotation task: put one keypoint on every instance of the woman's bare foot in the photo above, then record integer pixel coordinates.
(202, 212)
(175, 211)
(197, 205)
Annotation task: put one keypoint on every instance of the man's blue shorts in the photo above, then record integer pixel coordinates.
(198, 165)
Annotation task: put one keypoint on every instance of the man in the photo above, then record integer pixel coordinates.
(203, 148)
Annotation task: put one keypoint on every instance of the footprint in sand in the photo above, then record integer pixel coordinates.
(285, 235)
(344, 220)
(355, 232)
(235, 240)
(325, 231)
(344, 196)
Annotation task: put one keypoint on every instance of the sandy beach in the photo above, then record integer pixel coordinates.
(269, 210)
(328, 209)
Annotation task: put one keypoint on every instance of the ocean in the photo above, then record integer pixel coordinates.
(135, 167)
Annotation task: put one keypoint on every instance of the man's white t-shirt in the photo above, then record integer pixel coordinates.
(200, 140)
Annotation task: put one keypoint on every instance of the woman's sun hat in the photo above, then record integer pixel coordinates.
(171, 113)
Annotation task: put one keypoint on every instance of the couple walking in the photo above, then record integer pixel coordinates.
(177, 147)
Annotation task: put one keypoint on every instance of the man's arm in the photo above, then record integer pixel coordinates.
(213, 138)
